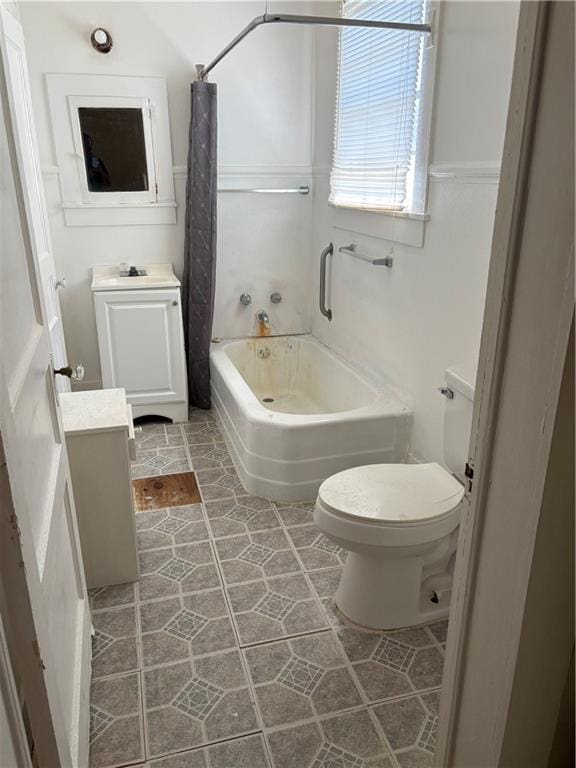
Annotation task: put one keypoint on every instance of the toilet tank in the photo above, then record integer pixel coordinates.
(460, 379)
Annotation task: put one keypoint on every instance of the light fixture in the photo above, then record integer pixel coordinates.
(101, 40)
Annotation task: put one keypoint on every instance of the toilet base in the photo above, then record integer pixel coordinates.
(400, 599)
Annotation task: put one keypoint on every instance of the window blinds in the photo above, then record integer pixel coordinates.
(377, 109)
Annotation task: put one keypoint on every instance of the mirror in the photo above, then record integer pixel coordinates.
(114, 149)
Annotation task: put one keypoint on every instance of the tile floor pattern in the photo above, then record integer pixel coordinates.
(229, 653)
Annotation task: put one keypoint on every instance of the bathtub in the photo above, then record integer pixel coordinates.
(292, 413)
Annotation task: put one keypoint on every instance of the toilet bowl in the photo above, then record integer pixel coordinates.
(399, 525)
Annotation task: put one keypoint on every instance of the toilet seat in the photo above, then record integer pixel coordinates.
(396, 495)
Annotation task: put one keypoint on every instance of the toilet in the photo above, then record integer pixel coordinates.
(399, 525)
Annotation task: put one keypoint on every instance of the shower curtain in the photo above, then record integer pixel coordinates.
(200, 241)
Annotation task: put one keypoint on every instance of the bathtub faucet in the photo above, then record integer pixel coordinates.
(262, 317)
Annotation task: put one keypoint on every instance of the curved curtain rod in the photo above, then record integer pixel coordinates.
(286, 18)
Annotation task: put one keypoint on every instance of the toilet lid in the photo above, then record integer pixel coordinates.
(392, 493)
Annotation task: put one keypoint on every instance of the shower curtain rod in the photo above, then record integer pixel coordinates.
(286, 18)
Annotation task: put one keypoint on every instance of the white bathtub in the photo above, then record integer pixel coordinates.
(293, 413)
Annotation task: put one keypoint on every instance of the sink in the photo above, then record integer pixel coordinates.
(107, 278)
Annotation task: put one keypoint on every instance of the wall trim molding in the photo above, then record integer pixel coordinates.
(263, 169)
(449, 173)
(441, 173)
(465, 173)
(487, 172)
(231, 170)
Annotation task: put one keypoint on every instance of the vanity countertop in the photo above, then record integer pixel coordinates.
(97, 410)
(106, 277)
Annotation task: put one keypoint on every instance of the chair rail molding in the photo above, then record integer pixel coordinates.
(465, 173)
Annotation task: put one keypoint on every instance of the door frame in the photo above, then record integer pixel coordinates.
(9, 703)
(528, 316)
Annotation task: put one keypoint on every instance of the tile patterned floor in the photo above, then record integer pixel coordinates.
(229, 653)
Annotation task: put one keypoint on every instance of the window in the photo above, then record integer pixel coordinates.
(382, 119)
(112, 138)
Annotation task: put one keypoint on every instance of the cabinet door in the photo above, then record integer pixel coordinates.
(141, 344)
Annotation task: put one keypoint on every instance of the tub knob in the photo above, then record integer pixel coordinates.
(275, 298)
(245, 299)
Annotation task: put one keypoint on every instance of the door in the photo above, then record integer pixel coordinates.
(43, 591)
(141, 344)
(28, 159)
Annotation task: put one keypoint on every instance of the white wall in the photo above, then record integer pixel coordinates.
(276, 110)
(265, 139)
(408, 324)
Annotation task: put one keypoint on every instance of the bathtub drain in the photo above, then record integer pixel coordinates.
(268, 400)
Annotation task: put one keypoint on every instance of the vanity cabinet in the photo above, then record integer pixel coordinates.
(141, 343)
(100, 442)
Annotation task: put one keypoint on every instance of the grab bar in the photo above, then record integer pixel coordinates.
(328, 251)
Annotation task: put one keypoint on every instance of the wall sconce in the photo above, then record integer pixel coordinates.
(101, 40)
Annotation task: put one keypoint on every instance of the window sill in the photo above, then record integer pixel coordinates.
(395, 226)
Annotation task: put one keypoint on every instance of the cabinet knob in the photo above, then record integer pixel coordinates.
(174, 303)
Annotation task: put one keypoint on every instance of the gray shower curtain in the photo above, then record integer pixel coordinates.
(200, 241)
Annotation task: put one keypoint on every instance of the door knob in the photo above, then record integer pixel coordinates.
(75, 372)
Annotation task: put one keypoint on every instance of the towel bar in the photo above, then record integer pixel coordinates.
(384, 261)
(302, 190)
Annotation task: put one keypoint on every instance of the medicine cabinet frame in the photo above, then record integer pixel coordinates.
(67, 94)
(76, 103)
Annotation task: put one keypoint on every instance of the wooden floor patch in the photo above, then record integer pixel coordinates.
(166, 491)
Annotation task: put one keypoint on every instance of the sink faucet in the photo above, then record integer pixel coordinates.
(262, 317)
